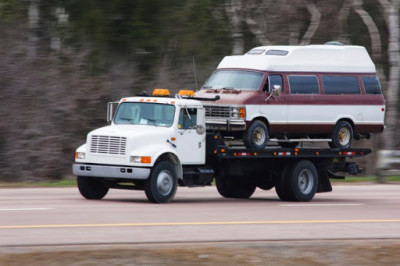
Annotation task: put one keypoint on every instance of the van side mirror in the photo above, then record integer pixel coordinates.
(277, 90)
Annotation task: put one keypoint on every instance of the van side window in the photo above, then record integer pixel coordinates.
(274, 80)
(372, 85)
(304, 84)
(340, 85)
(187, 118)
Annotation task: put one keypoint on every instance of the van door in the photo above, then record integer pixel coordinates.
(275, 106)
(189, 143)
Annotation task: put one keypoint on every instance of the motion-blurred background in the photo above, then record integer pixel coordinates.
(61, 61)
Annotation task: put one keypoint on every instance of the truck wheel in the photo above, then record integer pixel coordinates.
(256, 136)
(342, 135)
(282, 185)
(91, 188)
(302, 181)
(230, 187)
(160, 186)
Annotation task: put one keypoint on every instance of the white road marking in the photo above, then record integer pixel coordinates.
(25, 209)
(321, 204)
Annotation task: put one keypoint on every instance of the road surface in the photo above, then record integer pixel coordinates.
(60, 216)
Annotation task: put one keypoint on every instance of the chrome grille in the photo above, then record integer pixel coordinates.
(217, 111)
(108, 145)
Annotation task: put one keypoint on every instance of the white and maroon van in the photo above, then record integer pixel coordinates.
(296, 93)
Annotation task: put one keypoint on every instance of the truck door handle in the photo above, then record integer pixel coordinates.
(172, 144)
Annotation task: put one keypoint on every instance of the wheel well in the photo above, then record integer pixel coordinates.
(347, 120)
(174, 160)
(262, 119)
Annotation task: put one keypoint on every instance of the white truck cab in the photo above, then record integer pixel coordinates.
(143, 132)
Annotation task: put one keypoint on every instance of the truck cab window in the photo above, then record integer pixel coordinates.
(187, 118)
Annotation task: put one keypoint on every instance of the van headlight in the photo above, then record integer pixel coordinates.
(238, 112)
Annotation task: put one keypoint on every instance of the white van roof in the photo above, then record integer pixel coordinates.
(309, 58)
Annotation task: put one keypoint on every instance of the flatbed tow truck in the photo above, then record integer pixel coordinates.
(157, 143)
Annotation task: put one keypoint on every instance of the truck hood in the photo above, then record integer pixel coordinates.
(124, 139)
(129, 131)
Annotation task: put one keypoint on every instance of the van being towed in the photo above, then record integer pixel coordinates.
(293, 93)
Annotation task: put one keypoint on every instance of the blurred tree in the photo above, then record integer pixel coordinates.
(62, 60)
(391, 16)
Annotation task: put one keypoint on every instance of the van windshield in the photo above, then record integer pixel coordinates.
(234, 79)
(153, 114)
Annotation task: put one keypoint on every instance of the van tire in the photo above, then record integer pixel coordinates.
(161, 185)
(91, 188)
(342, 135)
(256, 136)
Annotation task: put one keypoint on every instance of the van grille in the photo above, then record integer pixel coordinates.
(217, 111)
(108, 145)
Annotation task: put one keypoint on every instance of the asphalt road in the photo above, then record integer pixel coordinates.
(60, 216)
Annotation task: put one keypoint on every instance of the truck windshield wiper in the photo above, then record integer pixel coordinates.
(207, 87)
(152, 121)
(127, 119)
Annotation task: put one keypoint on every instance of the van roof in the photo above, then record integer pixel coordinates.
(309, 58)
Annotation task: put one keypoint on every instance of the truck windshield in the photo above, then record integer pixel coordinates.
(234, 79)
(154, 114)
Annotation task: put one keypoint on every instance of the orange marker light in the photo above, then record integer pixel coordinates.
(146, 159)
(242, 112)
(186, 93)
(161, 92)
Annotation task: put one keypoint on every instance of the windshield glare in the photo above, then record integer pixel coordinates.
(234, 79)
(154, 114)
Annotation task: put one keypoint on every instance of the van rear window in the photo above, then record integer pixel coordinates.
(372, 85)
(303, 84)
(341, 85)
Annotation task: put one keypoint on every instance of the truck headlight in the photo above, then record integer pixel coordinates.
(140, 159)
(79, 155)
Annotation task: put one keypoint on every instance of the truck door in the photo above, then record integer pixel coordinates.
(189, 143)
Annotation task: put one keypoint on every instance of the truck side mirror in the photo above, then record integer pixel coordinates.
(200, 129)
(111, 110)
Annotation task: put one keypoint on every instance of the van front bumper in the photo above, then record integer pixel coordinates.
(110, 171)
(225, 124)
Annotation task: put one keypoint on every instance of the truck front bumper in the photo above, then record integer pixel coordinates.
(110, 171)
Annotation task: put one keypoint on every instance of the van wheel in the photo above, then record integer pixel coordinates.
(91, 188)
(256, 136)
(160, 186)
(342, 135)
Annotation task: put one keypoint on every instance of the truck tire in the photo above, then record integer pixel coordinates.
(160, 186)
(256, 136)
(302, 181)
(282, 185)
(230, 187)
(342, 135)
(91, 188)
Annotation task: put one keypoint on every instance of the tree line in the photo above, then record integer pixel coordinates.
(62, 61)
